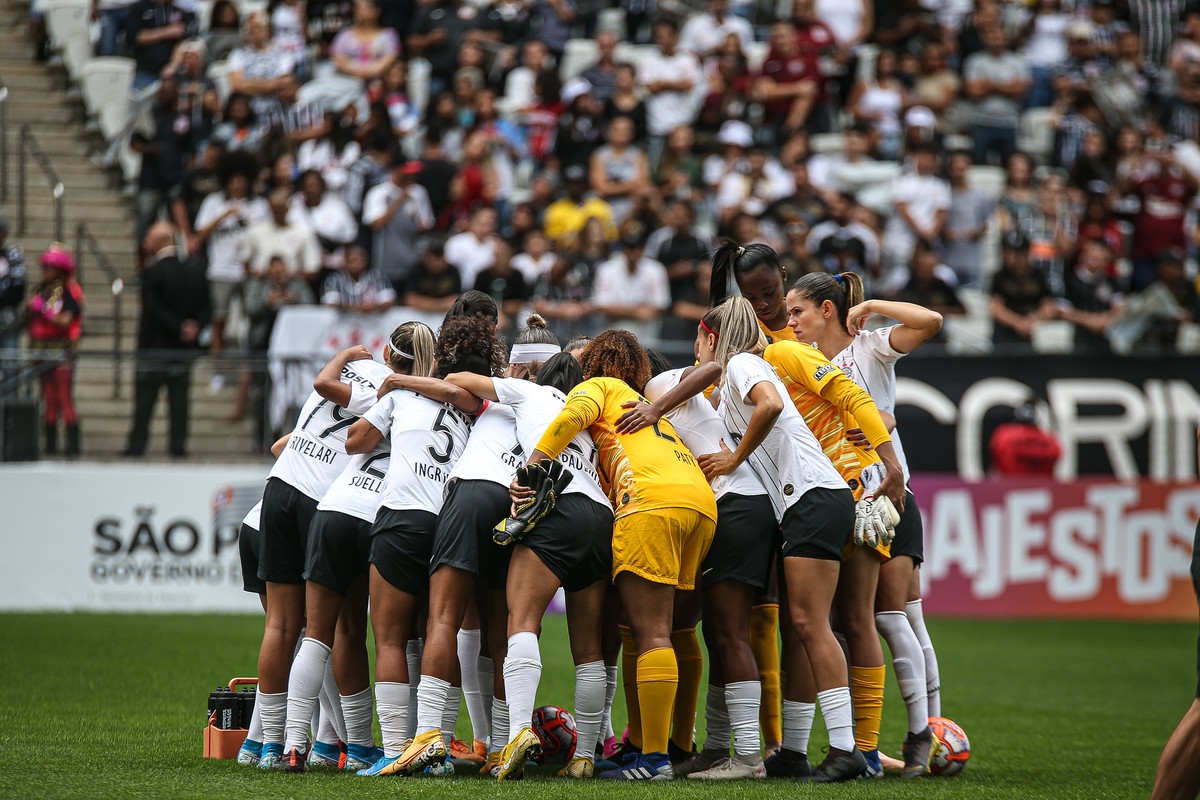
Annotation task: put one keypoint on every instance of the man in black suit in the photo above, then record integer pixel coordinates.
(175, 308)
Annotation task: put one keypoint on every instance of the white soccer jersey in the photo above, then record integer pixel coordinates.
(428, 438)
(870, 361)
(316, 453)
(790, 461)
(492, 452)
(251, 520)
(702, 430)
(536, 406)
(358, 490)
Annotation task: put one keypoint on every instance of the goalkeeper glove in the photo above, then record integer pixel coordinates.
(547, 479)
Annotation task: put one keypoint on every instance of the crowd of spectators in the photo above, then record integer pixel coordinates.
(389, 152)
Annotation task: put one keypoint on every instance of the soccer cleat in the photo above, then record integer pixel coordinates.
(525, 746)
(325, 755)
(838, 766)
(678, 755)
(428, 748)
(248, 754)
(625, 751)
(271, 754)
(578, 768)
(491, 767)
(463, 754)
(645, 767)
(734, 769)
(481, 750)
(785, 763)
(384, 766)
(442, 770)
(703, 760)
(874, 768)
(360, 756)
(918, 747)
(610, 746)
(294, 760)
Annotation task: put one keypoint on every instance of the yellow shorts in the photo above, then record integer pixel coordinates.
(664, 545)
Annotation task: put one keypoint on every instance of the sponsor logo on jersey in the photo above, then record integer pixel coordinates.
(822, 371)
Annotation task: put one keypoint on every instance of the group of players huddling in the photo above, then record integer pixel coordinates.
(760, 490)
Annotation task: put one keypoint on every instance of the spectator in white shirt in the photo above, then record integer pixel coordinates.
(536, 259)
(474, 250)
(922, 201)
(398, 213)
(326, 215)
(632, 291)
(358, 286)
(519, 87)
(762, 183)
(674, 85)
(259, 68)
(293, 243)
(704, 32)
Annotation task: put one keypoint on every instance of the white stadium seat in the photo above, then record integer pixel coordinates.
(420, 74)
(989, 180)
(218, 73)
(63, 17)
(612, 20)
(104, 81)
(1036, 135)
(76, 53)
(825, 143)
(633, 53)
(757, 55)
(578, 55)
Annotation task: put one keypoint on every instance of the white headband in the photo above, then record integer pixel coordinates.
(529, 353)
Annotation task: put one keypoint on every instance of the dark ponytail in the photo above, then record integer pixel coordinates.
(731, 260)
(844, 290)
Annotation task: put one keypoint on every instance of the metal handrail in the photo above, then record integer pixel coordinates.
(28, 146)
(86, 243)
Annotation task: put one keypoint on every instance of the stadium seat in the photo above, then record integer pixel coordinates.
(867, 54)
(1036, 135)
(218, 73)
(612, 20)
(989, 180)
(112, 118)
(1054, 336)
(825, 143)
(968, 334)
(104, 81)
(989, 260)
(633, 53)
(1189, 338)
(578, 55)
(757, 55)
(131, 162)
(64, 17)
(76, 53)
(420, 74)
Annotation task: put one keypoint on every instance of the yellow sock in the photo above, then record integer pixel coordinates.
(629, 678)
(691, 666)
(764, 641)
(657, 682)
(866, 692)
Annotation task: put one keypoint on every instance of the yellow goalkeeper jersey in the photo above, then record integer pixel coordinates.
(650, 469)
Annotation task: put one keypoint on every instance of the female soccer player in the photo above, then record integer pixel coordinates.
(830, 311)
(314, 457)
(571, 548)
(428, 438)
(665, 517)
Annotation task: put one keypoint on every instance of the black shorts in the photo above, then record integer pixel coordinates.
(250, 551)
(287, 514)
(910, 533)
(464, 531)
(401, 544)
(744, 542)
(819, 524)
(575, 541)
(339, 549)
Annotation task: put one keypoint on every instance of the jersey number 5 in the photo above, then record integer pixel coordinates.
(439, 426)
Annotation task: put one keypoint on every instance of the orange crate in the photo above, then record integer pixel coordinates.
(222, 743)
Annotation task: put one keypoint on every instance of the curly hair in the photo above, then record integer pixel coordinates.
(469, 344)
(616, 354)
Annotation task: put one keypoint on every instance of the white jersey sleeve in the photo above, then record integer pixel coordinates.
(535, 407)
(492, 452)
(702, 430)
(790, 461)
(428, 438)
(870, 361)
(316, 452)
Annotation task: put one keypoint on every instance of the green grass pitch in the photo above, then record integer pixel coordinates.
(113, 706)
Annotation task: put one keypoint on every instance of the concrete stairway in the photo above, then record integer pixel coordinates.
(37, 96)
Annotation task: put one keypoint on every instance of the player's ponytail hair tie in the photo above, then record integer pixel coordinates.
(741, 251)
(531, 353)
(839, 279)
(709, 330)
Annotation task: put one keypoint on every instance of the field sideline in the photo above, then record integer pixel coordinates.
(113, 706)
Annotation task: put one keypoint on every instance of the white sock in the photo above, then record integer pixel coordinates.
(412, 654)
(316, 720)
(331, 709)
(274, 717)
(325, 731)
(589, 706)
(450, 713)
(487, 687)
(742, 700)
(838, 716)
(391, 702)
(499, 726)
(356, 709)
(431, 703)
(468, 662)
(716, 720)
(522, 673)
(933, 678)
(909, 664)
(255, 733)
(610, 691)
(797, 725)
